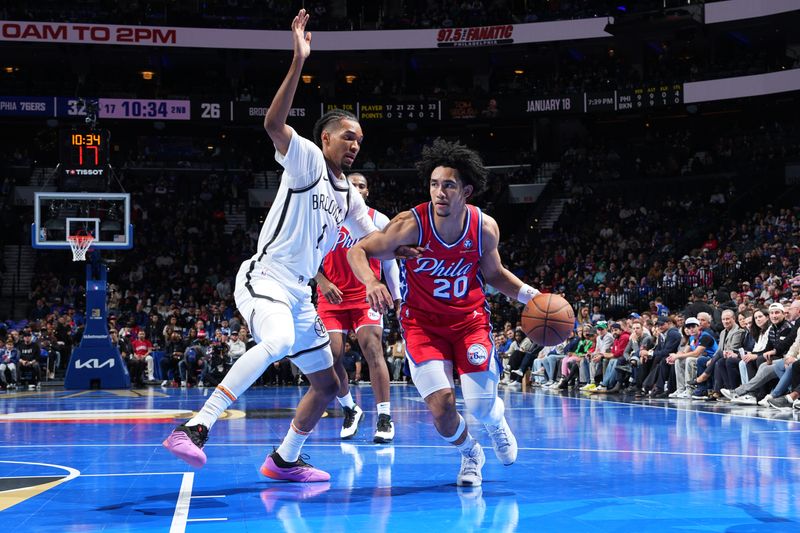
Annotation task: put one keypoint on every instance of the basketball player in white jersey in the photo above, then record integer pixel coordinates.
(272, 293)
(343, 307)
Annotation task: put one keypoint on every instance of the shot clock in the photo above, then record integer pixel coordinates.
(84, 149)
(83, 156)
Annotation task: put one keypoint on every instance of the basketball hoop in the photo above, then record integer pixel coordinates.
(80, 244)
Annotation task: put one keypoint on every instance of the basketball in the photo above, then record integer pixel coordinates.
(548, 319)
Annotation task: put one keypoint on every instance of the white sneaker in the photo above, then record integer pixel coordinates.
(514, 386)
(676, 394)
(200, 384)
(470, 473)
(685, 395)
(504, 442)
(518, 372)
(164, 383)
(384, 431)
(747, 399)
(352, 417)
(729, 394)
(765, 401)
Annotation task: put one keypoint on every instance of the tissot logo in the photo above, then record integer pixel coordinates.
(86, 172)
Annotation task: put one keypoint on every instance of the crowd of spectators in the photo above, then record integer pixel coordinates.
(735, 350)
(358, 14)
(621, 246)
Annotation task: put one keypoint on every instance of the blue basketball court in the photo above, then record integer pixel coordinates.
(93, 461)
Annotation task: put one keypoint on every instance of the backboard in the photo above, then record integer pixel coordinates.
(105, 216)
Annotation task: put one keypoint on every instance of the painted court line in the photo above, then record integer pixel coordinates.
(135, 474)
(206, 519)
(181, 515)
(213, 496)
(370, 445)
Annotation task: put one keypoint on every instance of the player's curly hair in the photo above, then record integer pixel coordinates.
(332, 116)
(467, 162)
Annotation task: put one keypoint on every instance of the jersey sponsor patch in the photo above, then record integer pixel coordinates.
(477, 354)
(373, 315)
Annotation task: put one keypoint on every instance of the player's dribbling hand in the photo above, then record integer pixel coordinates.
(408, 252)
(302, 40)
(378, 297)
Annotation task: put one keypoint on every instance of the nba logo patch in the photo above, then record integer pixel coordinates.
(373, 315)
(477, 354)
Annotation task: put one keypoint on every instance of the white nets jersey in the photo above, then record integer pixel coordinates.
(309, 209)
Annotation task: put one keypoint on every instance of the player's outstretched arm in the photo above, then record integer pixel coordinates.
(492, 267)
(275, 121)
(402, 231)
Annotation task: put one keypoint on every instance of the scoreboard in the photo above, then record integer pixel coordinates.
(650, 96)
(390, 111)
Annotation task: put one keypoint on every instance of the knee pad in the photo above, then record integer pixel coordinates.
(278, 342)
(273, 328)
(480, 397)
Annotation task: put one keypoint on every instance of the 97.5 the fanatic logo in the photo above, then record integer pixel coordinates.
(478, 36)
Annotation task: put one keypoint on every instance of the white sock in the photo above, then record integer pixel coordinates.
(384, 408)
(241, 375)
(289, 450)
(468, 446)
(220, 400)
(347, 400)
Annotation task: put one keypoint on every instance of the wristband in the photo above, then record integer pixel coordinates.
(526, 293)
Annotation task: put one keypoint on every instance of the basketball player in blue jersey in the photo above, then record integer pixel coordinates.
(272, 293)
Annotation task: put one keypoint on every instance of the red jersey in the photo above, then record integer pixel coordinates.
(446, 278)
(140, 348)
(338, 271)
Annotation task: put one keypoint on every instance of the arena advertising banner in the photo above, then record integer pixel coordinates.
(112, 34)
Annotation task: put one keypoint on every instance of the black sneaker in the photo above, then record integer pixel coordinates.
(384, 432)
(352, 417)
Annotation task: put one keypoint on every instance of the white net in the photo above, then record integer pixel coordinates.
(80, 244)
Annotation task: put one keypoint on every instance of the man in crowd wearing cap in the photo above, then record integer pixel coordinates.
(706, 347)
(593, 364)
(613, 357)
(669, 339)
(685, 363)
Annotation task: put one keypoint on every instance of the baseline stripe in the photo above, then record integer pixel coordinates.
(181, 515)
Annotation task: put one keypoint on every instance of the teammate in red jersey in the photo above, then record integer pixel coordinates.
(444, 316)
(343, 307)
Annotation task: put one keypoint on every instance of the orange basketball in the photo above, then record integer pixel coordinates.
(548, 319)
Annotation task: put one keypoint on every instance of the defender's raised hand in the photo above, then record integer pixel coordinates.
(302, 40)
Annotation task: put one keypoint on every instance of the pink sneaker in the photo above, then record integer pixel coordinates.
(186, 443)
(276, 468)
